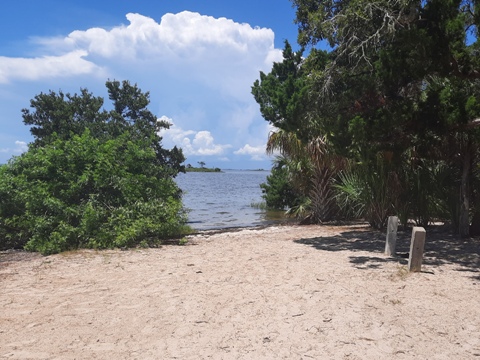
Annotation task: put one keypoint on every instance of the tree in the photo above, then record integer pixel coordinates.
(403, 78)
(67, 115)
(284, 99)
(283, 93)
(398, 94)
(311, 170)
(278, 192)
(202, 164)
(111, 186)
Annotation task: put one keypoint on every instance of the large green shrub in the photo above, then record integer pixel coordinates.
(87, 193)
(91, 178)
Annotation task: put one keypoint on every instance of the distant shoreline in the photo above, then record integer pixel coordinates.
(194, 169)
(197, 169)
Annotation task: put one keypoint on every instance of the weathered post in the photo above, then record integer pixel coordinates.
(391, 235)
(417, 245)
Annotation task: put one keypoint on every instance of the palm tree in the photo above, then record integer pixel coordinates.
(312, 168)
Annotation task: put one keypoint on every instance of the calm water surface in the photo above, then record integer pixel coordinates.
(222, 200)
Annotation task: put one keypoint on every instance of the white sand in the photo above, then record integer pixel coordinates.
(313, 292)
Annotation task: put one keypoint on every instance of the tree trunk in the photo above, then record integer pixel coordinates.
(475, 226)
(464, 215)
(321, 195)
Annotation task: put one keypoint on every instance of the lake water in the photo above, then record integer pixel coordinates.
(224, 199)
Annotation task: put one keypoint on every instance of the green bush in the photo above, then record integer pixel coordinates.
(91, 178)
(85, 193)
(277, 191)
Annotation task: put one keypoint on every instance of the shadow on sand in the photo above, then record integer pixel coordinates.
(441, 247)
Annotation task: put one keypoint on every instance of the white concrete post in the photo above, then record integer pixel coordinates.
(417, 245)
(391, 235)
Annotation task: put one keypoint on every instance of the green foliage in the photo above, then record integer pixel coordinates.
(398, 69)
(309, 170)
(91, 179)
(66, 115)
(301, 210)
(368, 191)
(183, 241)
(61, 116)
(350, 190)
(400, 84)
(195, 169)
(261, 205)
(85, 193)
(283, 93)
(278, 193)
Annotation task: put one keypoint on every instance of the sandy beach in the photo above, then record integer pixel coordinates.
(282, 292)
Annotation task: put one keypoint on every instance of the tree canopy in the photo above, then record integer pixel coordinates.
(401, 81)
(65, 115)
(282, 94)
(399, 71)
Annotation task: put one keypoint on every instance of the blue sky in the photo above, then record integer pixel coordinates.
(198, 59)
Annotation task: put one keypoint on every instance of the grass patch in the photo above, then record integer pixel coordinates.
(262, 205)
(401, 274)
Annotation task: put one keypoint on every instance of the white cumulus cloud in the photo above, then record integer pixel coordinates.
(177, 42)
(256, 152)
(69, 64)
(198, 69)
(191, 45)
(200, 143)
(178, 34)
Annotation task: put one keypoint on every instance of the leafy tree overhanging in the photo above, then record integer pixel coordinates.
(401, 81)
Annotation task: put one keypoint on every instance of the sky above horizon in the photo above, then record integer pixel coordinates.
(198, 60)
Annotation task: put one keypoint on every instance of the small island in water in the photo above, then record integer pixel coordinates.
(190, 168)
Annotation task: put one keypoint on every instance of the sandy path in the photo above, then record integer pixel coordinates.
(278, 293)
